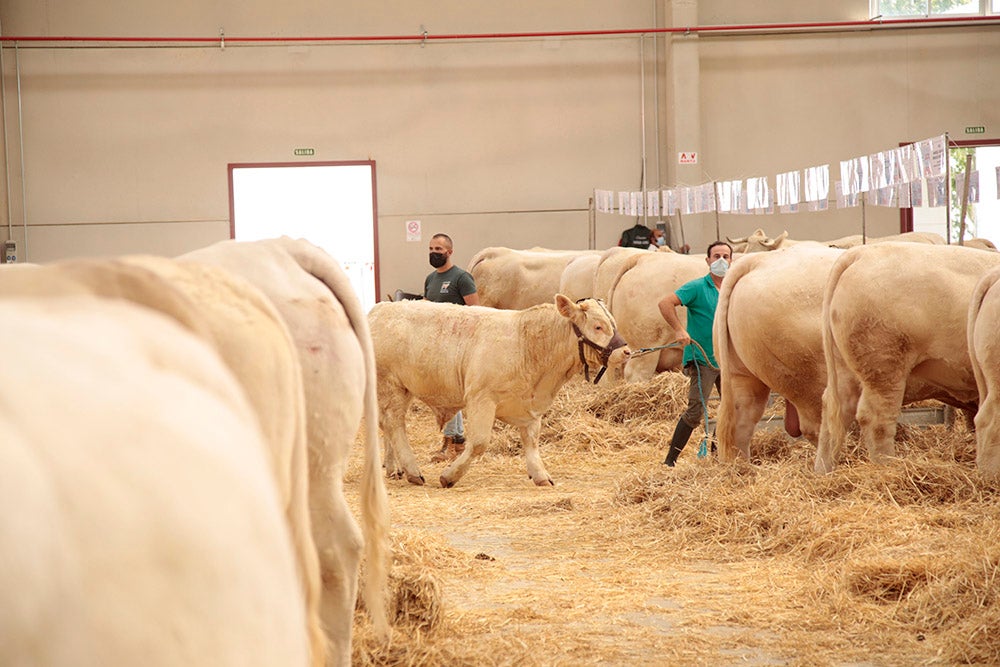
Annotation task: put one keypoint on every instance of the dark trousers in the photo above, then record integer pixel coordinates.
(703, 378)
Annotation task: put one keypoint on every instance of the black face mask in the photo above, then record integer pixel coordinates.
(438, 259)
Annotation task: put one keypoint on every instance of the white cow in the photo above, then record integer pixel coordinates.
(328, 325)
(611, 265)
(492, 364)
(634, 300)
(895, 318)
(984, 353)
(768, 337)
(139, 519)
(240, 323)
(516, 279)
(577, 280)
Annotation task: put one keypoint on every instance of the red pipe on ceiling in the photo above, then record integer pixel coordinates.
(829, 26)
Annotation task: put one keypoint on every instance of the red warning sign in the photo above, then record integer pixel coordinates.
(687, 157)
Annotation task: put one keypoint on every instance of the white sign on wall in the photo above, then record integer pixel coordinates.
(412, 230)
(687, 157)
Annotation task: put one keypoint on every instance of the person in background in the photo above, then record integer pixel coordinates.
(657, 239)
(635, 237)
(700, 297)
(448, 283)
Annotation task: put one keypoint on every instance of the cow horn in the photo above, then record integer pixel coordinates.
(742, 239)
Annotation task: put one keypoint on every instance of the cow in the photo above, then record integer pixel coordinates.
(140, 520)
(894, 331)
(758, 241)
(612, 262)
(577, 279)
(909, 237)
(517, 279)
(489, 363)
(984, 354)
(634, 299)
(315, 298)
(247, 332)
(768, 337)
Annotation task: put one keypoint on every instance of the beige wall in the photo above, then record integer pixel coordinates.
(496, 142)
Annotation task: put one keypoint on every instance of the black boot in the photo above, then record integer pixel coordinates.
(681, 434)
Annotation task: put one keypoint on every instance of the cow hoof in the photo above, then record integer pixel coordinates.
(395, 474)
(445, 484)
(415, 479)
(545, 482)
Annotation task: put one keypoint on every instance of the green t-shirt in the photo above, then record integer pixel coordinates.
(452, 286)
(700, 297)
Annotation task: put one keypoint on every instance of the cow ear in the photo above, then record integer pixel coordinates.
(564, 305)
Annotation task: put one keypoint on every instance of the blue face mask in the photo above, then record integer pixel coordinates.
(661, 240)
(719, 267)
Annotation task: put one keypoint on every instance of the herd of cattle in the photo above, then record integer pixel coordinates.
(845, 330)
(176, 431)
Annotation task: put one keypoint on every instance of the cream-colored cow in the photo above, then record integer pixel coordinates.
(489, 363)
(516, 279)
(238, 321)
(634, 300)
(769, 337)
(328, 325)
(984, 353)
(895, 319)
(139, 519)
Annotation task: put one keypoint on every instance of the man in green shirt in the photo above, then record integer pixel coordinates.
(448, 283)
(700, 297)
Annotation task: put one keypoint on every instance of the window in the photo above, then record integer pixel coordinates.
(906, 8)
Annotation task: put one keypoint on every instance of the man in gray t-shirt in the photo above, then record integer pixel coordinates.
(449, 284)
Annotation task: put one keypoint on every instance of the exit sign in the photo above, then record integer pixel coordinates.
(975, 129)
(305, 151)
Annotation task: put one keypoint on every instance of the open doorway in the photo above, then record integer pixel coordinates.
(982, 214)
(330, 204)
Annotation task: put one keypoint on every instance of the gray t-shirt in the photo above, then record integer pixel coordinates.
(449, 287)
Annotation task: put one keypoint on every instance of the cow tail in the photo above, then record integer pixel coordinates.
(726, 355)
(978, 295)
(833, 417)
(374, 501)
(626, 265)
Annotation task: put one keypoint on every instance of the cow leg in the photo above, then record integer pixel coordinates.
(878, 411)
(479, 418)
(399, 457)
(532, 456)
(641, 368)
(744, 399)
(988, 435)
(840, 401)
(339, 541)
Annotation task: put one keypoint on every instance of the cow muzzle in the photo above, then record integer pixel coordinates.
(604, 352)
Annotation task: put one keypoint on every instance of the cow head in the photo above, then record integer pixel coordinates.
(594, 327)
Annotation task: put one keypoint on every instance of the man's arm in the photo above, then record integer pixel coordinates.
(668, 309)
(471, 299)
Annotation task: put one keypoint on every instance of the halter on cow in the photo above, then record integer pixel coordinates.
(605, 352)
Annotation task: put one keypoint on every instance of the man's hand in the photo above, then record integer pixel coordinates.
(682, 337)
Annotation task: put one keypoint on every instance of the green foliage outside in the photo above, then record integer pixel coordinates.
(957, 157)
(925, 7)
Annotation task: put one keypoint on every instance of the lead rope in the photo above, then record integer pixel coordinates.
(703, 446)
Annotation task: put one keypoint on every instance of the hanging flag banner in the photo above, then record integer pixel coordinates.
(687, 199)
(604, 201)
(845, 199)
(854, 174)
(758, 194)
(916, 193)
(817, 183)
(903, 195)
(936, 192)
(704, 198)
(973, 186)
(638, 205)
(653, 203)
(728, 196)
(931, 156)
(669, 201)
(906, 164)
(788, 186)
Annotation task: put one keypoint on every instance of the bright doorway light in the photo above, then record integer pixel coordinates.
(331, 205)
